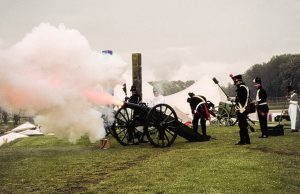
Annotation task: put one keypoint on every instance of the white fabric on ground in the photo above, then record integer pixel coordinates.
(24, 127)
(31, 132)
(10, 137)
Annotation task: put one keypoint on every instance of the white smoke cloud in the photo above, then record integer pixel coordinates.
(53, 73)
(187, 63)
(163, 64)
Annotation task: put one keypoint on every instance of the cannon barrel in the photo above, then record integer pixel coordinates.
(140, 106)
(217, 82)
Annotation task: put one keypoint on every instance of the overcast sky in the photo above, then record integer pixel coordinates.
(178, 39)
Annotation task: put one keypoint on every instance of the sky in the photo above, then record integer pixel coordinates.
(178, 39)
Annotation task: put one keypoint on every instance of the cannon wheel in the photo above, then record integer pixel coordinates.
(221, 117)
(124, 129)
(161, 125)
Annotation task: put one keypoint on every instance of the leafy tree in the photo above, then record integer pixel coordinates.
(276, 75)
(170, 87)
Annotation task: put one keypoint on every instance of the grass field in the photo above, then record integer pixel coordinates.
(46, 164)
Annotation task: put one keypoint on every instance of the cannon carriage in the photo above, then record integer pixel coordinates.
(133, 121)
(224, 114)
(159, 124)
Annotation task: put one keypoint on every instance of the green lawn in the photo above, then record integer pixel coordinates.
(46, 164)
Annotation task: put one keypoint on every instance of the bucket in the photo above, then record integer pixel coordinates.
(105, 143)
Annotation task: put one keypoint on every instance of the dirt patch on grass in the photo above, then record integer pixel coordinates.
(79, 184)
(128, 164)
(71, 189)
(279, 152)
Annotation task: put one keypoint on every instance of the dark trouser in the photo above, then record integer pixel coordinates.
(263, 122)
(262, 111)
(202, 122)
(243, 125)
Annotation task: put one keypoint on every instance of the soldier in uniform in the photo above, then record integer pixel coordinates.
(241, 100)
(293, 108)
(261, 107)
(135, 97)
(199, 111)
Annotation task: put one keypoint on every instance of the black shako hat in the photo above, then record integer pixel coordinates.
(236, 77)
(257, 80)
(133, 88)
(191, 94)
(290, 89)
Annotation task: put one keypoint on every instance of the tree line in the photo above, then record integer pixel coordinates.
(280, 72)
(166, 87)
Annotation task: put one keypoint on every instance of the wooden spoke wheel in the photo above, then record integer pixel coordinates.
(221, 117)
(124, 128)
(161, 125)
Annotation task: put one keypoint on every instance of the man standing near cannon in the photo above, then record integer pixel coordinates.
(139, 133)
(261, 107)
(135, 97)
(241, 101)
(199, 111)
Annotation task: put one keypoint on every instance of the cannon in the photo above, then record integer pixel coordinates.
(159, 124)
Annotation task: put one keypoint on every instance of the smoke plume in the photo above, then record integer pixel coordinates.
(53, 74)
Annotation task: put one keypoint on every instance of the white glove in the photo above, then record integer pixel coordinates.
(240, 108)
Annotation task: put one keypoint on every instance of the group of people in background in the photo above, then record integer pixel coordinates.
(200, 106)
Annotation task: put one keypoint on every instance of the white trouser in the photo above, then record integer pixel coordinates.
(293, 109)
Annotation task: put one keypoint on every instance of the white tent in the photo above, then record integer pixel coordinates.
(23, 127)
(205, 87)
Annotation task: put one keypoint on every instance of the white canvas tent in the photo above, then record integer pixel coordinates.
(205, 87)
